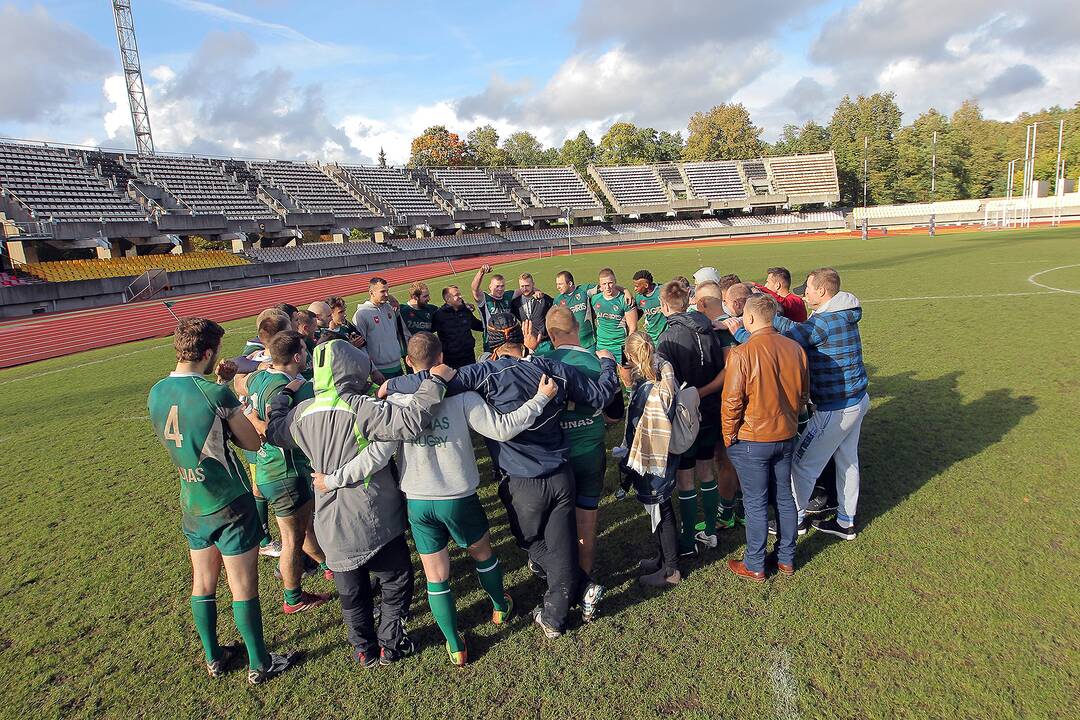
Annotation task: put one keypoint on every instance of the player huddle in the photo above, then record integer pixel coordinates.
(731, 400)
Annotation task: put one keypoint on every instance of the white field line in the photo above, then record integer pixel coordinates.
(1052, 291)
(82, 365)
(784, 689)
(1033, 281)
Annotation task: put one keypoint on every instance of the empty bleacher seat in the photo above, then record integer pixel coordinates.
(53, 185)
(316, 251)
(558, 187)
(475, 188)
(393, 189)
(805, 174)
(633, 185)
(311, 189)
(66, 270)
(201, 186)
(715, 180)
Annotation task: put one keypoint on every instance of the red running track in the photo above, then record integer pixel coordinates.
(42, 337)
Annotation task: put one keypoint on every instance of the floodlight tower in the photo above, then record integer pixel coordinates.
(129, 58)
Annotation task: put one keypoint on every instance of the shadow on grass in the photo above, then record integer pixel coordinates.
(916, 430)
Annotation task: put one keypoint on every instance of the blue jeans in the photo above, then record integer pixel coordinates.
(764, 470)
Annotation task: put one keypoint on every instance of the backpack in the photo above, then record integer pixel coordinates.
(687, 420)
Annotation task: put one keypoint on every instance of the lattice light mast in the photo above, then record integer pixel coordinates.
(129, 58)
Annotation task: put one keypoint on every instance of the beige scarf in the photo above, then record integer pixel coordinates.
(649, 452)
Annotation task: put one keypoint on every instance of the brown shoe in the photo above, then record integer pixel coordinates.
(739, 568)
(788, 570)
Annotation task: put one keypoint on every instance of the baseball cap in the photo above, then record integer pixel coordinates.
(706, 274)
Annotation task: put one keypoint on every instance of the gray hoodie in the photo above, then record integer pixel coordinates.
(379, 326)
(440, 464)
(354, 520)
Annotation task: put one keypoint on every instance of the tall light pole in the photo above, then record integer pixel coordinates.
(933, 169)
(865, 167)
(569, 242)
(129, 58)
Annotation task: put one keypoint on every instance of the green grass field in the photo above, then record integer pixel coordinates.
(958, 599)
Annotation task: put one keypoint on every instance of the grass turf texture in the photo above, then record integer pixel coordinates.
(957, 600)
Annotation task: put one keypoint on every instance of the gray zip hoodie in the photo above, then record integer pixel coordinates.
(352, 521)
(440, 463)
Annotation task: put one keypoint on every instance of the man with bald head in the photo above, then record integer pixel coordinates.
(331, 330)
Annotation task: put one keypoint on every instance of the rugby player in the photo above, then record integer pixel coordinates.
(615, 315)
(283, 474)
(576, 299)
(194, 418)
(500, 324)
(417, 313)
(647, 301)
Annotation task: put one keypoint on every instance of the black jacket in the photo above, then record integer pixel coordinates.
(693, 348)
(536, 311)
(455, 331)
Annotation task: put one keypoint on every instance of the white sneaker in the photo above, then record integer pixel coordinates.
(708, 541)
(271, 549)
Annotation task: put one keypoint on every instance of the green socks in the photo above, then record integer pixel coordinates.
(204, 610)
(264, 520)
(491, 579)
(441, 602)
(293, 596)
(710, 497)
(247, 614)
(688, 516)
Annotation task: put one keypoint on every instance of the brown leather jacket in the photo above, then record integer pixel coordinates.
(766, 384)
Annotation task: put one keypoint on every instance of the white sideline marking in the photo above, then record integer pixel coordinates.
(82, 365)
(785, 691)
(1052, 291)
(1033, 281)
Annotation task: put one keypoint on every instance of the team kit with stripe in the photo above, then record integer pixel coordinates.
(373, 467)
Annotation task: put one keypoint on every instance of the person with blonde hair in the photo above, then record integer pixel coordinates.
(648, 464)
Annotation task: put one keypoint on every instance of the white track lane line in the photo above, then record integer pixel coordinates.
(1033, 281)
(1052, 291)
(82, 365)
(784, 688)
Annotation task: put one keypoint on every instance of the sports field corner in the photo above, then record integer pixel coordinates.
(958, 599)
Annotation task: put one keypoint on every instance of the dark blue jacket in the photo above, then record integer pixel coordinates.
(506, 384)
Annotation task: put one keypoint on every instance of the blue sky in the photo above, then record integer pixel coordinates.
(339, 80)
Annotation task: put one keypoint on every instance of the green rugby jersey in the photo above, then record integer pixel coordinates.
(274, 463)
(190, 416)
(418, 319)
(253, 345)
(491, 307)
(610, 324)
(649, 306)
(584, 426)
(578, 303)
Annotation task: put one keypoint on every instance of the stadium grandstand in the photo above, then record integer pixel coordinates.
(75, 214)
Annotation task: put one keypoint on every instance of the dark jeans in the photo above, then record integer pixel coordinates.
(667, 538)
(764, 469)
(541, 515)
(393, 569)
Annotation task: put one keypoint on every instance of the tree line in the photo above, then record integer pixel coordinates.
(972, 151)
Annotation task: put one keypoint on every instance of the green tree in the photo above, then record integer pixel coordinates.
(625, 144)
(523, 149)
(795, 140)
(723, 133)
(437, 147)
(382, 158)
(874, 119)
(669, 146)
(915, 166)
(483, 149)
(578, 151)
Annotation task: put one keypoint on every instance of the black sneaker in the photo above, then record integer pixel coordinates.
(803, 527)
(693, 552)
(831, 527)
(405, 648)
(366, 659)
(819, 505)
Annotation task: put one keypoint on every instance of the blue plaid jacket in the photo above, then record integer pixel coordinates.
(834, 351)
